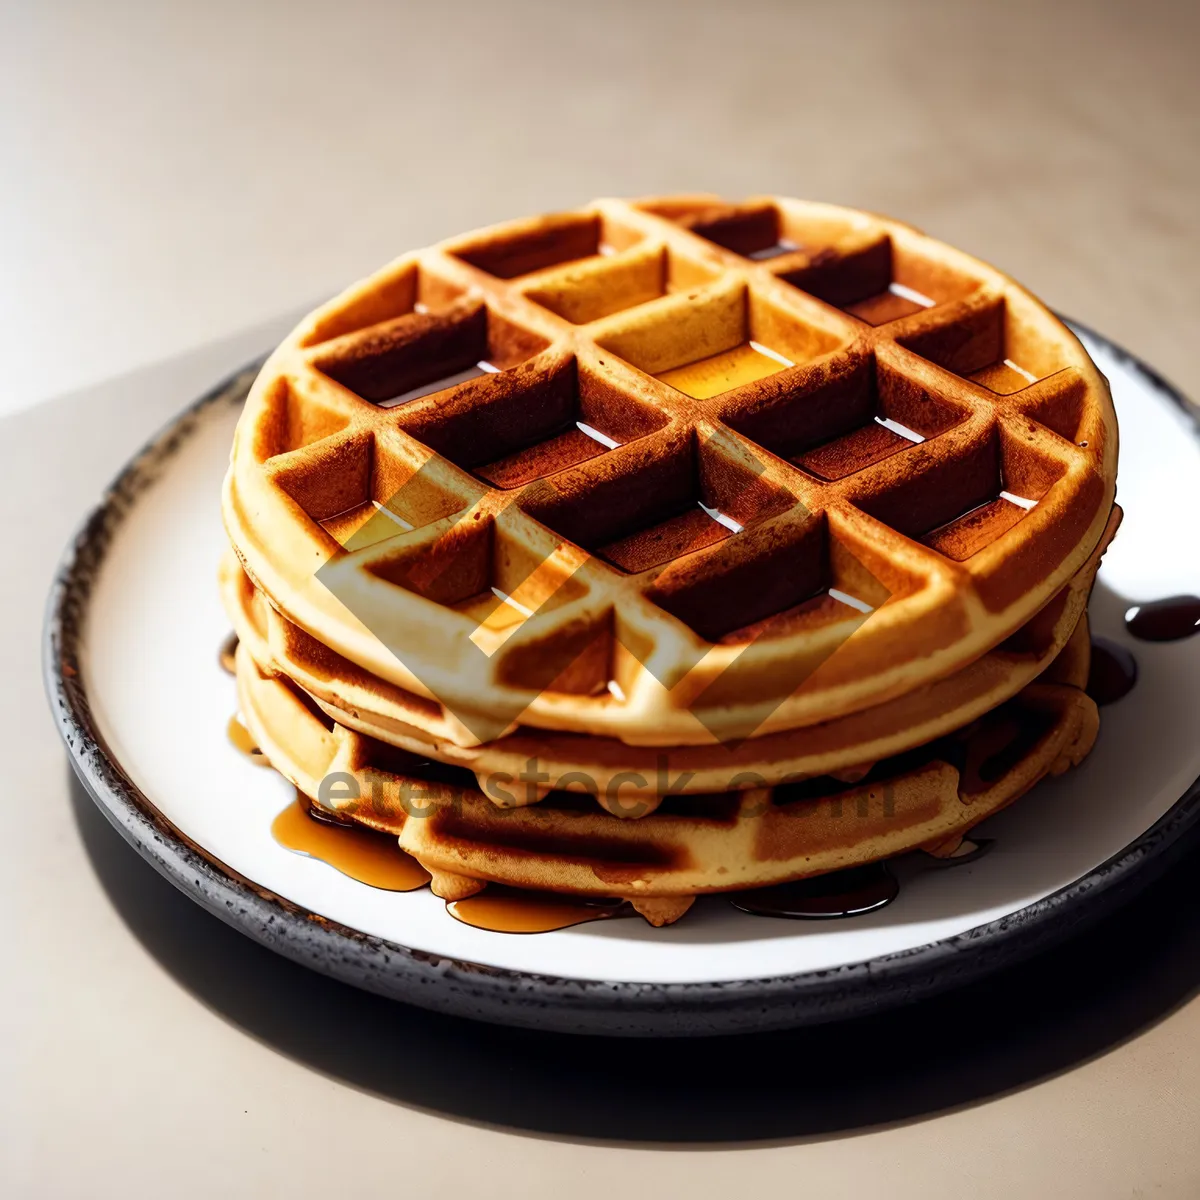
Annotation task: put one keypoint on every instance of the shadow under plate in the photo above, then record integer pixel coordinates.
(1101, 987)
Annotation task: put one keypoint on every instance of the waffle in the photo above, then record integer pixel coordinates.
(692, 844)
(631, 781)
(722, 471)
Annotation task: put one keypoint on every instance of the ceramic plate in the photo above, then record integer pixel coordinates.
(133, 628)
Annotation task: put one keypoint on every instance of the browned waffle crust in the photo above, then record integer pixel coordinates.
(632, 780)
(788, 504)
(625, 554)
(691, 844)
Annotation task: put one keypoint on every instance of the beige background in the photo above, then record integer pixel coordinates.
(175, 173)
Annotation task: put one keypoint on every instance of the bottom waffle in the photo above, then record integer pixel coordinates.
(692, 844)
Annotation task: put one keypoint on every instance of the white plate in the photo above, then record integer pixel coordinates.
(136, 615)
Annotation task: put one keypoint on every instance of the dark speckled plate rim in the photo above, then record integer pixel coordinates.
(504, 996)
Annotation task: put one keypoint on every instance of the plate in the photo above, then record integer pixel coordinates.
(132, 633)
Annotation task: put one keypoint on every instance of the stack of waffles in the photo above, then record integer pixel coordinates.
(670, 547)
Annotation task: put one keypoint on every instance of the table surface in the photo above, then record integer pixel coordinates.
(176, 175)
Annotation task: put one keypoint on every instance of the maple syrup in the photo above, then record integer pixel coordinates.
(1168, 620)
(242, 740)
(362, 854)
(848, 893)
(1112, 673)
(722, 372)
(226, 656)
(510, 910)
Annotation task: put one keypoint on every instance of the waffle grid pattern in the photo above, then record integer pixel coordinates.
(935, 462)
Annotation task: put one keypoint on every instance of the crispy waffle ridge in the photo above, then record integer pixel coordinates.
(708, 444)
(693, 844)
(632, 780)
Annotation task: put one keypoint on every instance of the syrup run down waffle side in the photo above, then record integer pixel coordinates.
(693, 844)
(631, 781)
(720, 470)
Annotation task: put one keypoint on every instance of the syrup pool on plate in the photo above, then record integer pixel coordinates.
(369, 857)
(1168, 620)
(509, 910)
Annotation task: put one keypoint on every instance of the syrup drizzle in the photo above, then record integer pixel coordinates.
(510, 910)
(225, 656)
(1168, 620)
(374, 859)
(242, 740)
(1112, 673)
(848, 893)
(364, 855)
(721, 372)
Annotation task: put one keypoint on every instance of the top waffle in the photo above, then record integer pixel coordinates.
(673, 471)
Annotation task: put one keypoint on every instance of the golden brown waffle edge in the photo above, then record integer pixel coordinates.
(584, 314)
(693, 845)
